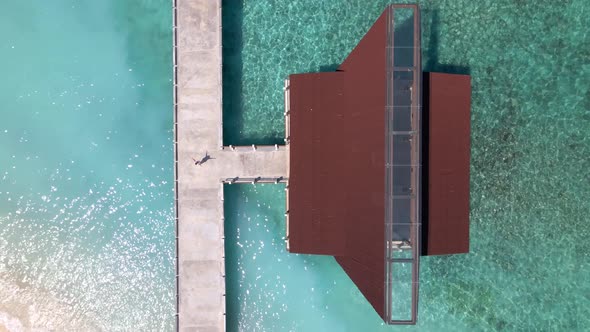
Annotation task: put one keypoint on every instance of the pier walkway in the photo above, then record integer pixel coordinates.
(199, 188)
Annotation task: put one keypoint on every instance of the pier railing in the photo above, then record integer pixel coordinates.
(287, 115)
(175, 139)
(259, 179)
(253, 147)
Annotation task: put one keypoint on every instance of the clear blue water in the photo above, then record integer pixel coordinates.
(530, 169)
(86, 219)
(86, 214)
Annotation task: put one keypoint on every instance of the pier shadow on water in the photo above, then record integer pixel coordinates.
(431, 54)
(232, 45)
(234, 109)
(431, 51)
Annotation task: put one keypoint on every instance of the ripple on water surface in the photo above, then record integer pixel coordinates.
(530, 170)
(86, 214)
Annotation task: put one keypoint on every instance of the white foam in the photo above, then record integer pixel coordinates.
(27, 308)
(9, 323)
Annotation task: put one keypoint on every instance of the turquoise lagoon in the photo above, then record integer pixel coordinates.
(530, 166)
(86, 214)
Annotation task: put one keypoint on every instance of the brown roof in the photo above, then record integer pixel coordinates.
(446, 220)
(337, 164)
(344, 200)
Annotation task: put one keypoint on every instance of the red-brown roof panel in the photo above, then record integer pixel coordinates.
(337, 164)
(340, 126)
(447, 226)
(316, 213)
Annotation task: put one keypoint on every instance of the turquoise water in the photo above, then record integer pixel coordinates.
(530, 170)
(86, 219)
(86, 214)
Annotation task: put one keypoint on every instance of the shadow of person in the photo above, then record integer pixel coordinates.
(203, 160)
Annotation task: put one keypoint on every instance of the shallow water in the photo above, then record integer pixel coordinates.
(86, 214)
(530, 168)
(86, 220)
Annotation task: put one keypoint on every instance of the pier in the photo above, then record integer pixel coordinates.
(364, 118)
(199, 187)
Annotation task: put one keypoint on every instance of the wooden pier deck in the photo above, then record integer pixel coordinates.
(199, 188)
